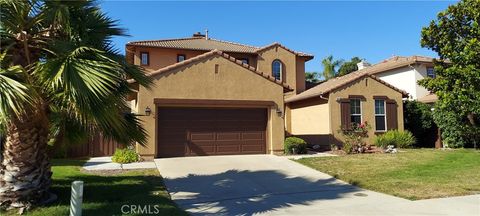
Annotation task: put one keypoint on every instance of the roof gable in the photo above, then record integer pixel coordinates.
(212, 54)
(336, 83)
(276, 44)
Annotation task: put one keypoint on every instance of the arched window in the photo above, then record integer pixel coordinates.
(277, 69)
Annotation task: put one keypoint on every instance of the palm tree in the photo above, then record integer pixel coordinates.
(312, 77)
(329, 67)
(60, 78)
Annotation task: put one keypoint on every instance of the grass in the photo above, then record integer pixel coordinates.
(105, 194)
(413, 174)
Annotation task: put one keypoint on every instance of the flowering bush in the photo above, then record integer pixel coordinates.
(354, 138)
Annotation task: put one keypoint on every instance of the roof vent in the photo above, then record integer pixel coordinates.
(198, 35)
(363, 64)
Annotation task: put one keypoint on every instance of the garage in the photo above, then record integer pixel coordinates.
(210, 131)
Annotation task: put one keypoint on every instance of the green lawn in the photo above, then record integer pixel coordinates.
(106, 194)
(412, 174)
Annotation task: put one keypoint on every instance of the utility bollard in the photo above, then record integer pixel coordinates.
(76, 198)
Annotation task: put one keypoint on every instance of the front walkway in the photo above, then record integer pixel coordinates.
(267, 184)
(105, 163)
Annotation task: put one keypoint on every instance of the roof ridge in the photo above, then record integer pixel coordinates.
(234, 43)
(168, 39)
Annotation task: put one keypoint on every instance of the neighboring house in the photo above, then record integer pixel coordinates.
(317, 114)
(404, 73)
(213, 97)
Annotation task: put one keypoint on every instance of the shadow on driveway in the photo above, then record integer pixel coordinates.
(247, 192)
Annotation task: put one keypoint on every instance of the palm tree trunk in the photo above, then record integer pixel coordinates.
(25, 174)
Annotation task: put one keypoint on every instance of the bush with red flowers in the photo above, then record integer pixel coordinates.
(355, 138)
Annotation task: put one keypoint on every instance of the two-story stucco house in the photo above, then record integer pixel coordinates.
(404, 73)
(213, 97)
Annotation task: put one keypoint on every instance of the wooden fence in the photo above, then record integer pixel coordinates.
(96, 146)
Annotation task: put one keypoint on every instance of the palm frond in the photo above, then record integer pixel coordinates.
(13, 91)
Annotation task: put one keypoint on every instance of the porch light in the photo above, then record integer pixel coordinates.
(148, 111)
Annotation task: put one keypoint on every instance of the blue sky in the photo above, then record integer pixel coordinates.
(372, 30)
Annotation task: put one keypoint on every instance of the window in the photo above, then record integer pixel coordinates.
(244, 60)
(144, 58)
(355, 111)
(430, 72)
(380, 118)
(181, 57)
(277, 69)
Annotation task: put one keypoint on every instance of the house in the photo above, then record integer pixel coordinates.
(318, 114)
(214, 97)
(404, 73)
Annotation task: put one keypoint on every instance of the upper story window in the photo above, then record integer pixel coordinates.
(430, 72)
(244, 60)
(277, 69)
(380, 117)
(355, 111)
(181, 57)
(144, 58)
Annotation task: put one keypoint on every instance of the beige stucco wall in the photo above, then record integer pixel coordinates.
(162, 57)
(266, 57)
(199, 81)
(311, 118)
(368, 88)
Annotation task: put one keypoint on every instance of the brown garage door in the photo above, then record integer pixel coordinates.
(205, 131)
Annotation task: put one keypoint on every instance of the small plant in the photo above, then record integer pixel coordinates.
(399, 139)
(295, 145)
(404, 139)
(383, 141)
(354, 138)
(333, 147)
(126, 155)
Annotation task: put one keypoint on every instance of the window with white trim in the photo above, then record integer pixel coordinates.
(431, 72)
(355, 111)
(277, 69)
(380, 116)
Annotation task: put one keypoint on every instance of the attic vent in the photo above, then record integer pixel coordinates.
(198, 35)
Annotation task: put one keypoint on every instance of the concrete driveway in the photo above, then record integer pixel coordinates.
(267, 184)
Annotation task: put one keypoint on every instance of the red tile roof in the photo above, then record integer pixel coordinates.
(221, 54)
(201, 43)
(430, 98)
(338, 82)
(396, 62)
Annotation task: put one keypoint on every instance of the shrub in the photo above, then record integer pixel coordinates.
(125, 156)
(403, 139)
(383, 141)
(296, 143)
(354, 138)
(399, 139)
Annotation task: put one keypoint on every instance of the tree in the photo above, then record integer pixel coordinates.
(455, 37)
(349, 66)
(312, 77)
(60, 78)
(419, 120)
(330, 66)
